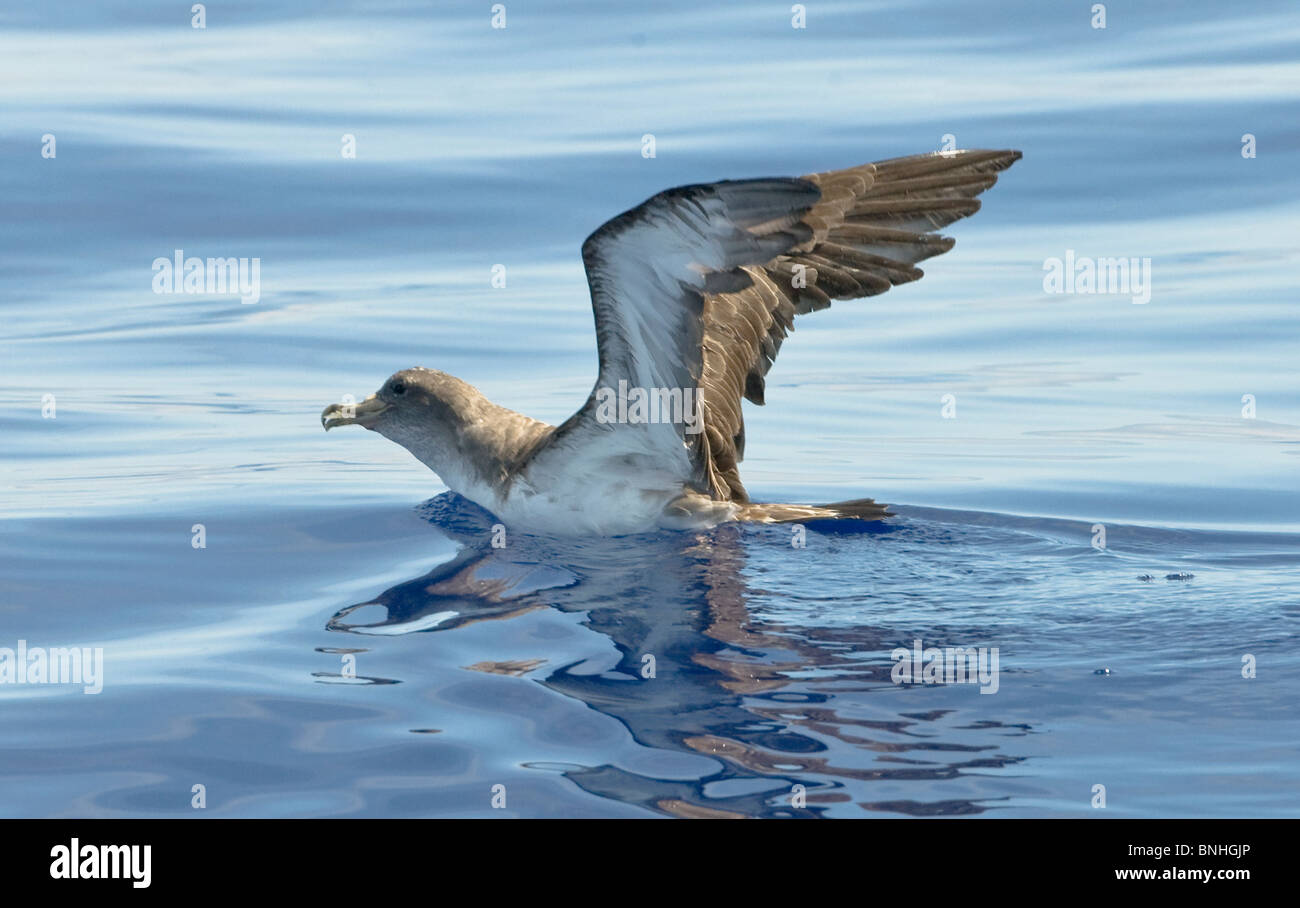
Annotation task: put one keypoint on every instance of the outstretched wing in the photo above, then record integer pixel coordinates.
(695, 289)
(870, 228)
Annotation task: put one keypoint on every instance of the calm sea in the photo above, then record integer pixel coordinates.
(1098, 492)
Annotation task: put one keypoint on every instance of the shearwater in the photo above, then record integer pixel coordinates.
(695, 289)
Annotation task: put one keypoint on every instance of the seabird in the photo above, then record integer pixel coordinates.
(693, 291)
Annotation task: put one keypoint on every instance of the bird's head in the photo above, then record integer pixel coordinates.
(446, 423)
(408, 405)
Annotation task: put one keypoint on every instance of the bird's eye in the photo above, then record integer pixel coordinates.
(399, 387)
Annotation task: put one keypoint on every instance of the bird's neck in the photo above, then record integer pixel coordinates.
(475, 448)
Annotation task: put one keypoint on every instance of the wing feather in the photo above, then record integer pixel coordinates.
(697, 288)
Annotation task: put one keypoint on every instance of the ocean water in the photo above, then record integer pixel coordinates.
(347, 642)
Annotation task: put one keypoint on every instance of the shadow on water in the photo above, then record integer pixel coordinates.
(697, 671)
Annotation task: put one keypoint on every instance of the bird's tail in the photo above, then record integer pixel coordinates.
(857, 509)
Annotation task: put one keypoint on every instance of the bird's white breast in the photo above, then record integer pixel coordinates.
(588, 495)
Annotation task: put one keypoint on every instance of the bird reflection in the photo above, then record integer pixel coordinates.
(695, 670)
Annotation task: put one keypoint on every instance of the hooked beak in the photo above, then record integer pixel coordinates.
(364, 414)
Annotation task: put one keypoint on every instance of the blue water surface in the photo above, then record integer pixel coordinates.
(348, 642)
